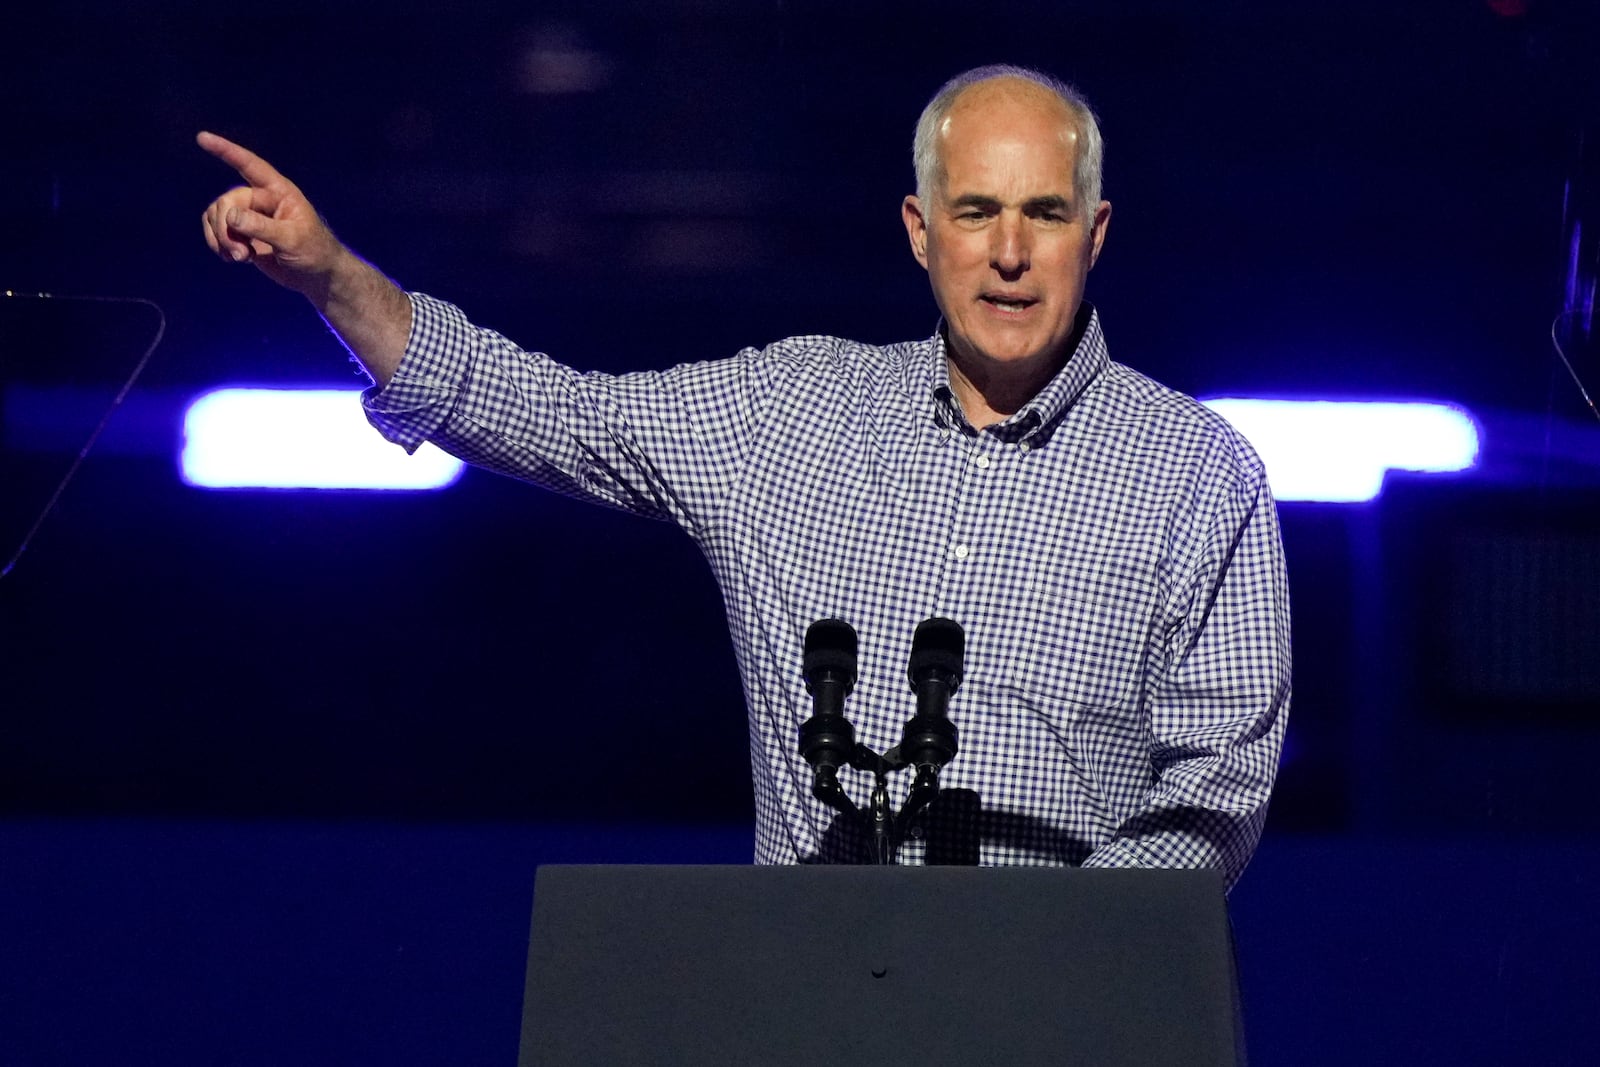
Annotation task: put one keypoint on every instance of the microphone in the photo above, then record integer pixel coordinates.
(937, 649)
(827, 740)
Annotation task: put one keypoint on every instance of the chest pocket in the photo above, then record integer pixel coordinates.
(1088, 634)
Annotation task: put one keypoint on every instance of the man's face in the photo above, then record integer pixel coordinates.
(1003, 239)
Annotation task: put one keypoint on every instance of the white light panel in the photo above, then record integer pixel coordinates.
(299, 439)
(1340, 450)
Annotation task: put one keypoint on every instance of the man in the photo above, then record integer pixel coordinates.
(1110, 546)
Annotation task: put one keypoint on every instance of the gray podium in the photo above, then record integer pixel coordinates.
(723, 966)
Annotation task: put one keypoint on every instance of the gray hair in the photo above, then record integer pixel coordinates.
(1091, 150)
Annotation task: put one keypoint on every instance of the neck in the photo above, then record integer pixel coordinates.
(991, 395)
(991, 392)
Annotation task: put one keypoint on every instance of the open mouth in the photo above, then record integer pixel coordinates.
(1013, 305)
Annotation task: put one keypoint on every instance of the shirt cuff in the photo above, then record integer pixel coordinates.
(420, 397)
(1113, 854)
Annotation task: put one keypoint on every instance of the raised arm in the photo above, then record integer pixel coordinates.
(269, 222)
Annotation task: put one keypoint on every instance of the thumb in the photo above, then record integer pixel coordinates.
(251, 225)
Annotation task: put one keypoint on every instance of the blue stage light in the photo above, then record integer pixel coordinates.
(299, 439)
(1340, 451)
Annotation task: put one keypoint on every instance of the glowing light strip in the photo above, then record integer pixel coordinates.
(299, 439)
(1340, 451)
(1314, 450)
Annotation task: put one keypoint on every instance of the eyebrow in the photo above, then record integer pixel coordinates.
(1047, 203)
(1032, 206)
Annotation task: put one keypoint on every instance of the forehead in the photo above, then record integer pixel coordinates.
(1009, 132)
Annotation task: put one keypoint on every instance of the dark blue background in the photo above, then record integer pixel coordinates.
(259, 747)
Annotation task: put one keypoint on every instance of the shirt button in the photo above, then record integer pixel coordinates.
(1023, 446)
(962, 552)
(916, 833)
(982, 462)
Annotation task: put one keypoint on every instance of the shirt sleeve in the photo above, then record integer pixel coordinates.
(1220, 705)
(663, 444)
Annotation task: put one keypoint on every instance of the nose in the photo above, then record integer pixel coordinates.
(1009, 250)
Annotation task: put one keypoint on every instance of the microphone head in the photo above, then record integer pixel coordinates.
(938, 647)
(830, 647)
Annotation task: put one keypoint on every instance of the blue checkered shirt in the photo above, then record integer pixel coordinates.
(1111, 550)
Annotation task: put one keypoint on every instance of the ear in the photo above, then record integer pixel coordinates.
(1097, 234)
(916, 228)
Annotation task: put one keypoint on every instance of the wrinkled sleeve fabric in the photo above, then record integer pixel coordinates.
(1219, 698)
(663, 444)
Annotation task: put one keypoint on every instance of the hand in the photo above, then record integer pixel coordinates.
(269, 222)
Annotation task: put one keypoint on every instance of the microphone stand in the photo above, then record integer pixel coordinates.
(884, 824)
(879, 818)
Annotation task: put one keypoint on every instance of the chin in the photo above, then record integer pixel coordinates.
(1012, 354)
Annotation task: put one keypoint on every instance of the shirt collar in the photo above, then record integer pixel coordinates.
(1089, 358)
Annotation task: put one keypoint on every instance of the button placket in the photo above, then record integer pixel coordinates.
(960, 548)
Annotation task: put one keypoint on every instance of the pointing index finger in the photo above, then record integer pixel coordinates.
(251, 167)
